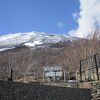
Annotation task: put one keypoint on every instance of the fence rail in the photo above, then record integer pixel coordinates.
(90, 68)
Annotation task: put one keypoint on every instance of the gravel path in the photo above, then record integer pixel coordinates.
(22, 91)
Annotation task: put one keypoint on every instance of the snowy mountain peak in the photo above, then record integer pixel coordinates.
(31, 39)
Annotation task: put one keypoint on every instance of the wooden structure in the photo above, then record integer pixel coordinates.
(11, 73)
(90, 68)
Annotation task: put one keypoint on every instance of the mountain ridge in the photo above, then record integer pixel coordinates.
(32, 39)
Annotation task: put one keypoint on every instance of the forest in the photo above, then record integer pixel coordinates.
(23, 59)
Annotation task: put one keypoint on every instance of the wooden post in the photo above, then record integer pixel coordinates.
(10, 78)
(80, 71)
(97, 72)
(64, 76)
(77, 76)
(55, 76)
(11, 73)
(43, 74)
(34, 74)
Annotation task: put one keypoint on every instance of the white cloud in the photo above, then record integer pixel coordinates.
(61, 24)
(88, 19)
(75, 16)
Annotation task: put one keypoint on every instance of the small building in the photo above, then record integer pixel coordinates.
(53, 72)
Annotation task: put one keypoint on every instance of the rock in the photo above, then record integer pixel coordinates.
(95, 90)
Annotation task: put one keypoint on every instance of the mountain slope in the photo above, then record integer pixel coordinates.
(32, 39)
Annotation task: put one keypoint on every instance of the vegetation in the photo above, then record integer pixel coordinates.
(23, 59)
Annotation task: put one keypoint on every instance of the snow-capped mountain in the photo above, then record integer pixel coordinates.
(32, 39)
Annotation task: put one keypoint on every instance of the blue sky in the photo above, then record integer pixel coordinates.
(51, 16)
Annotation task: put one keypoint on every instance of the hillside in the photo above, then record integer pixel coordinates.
(23, 59)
